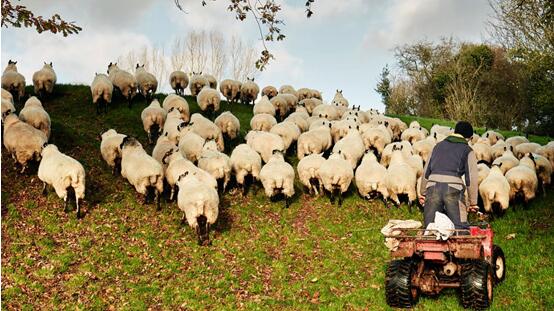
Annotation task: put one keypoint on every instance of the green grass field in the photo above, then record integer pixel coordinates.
(123, 255)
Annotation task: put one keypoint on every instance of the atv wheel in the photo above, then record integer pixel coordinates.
(476, 285)
(398, 284)
(498, 264)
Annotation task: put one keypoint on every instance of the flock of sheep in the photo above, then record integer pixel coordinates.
(335, 145)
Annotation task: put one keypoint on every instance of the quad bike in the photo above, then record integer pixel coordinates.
(467, 260)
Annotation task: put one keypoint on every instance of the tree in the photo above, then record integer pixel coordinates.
(384, 87)
(19, 16)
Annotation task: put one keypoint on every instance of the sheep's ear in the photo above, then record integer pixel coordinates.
(45, 63)
(44, 145)
(109, 64)
(200, 73)
(165, 134)
(358, 127)
(435, 135)
(386, 123)
(51, 64)
(401, 147)
(15, 62)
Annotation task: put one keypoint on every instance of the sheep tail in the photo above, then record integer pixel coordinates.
(491, 195)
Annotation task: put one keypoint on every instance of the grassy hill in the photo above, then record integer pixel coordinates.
(130, 256)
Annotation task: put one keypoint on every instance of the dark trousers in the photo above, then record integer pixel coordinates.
(447, 200)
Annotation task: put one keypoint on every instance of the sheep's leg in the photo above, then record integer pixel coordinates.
(66, 204)
(172, 195)
(98, 107)
(287, 202)
(332, 197)
(79, 216)
(184, 219)
(44, 190)
(158, 204)
(340, 199)
(23, 167)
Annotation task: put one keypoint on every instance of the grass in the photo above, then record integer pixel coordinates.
(124, 255)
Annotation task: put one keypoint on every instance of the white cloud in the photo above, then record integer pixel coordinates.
(286, 68)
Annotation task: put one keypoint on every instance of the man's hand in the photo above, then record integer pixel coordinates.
(422, 200)
(473, 209)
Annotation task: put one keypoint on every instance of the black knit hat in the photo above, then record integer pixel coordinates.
(464, 128)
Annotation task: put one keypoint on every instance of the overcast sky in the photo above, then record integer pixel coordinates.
(343, 46)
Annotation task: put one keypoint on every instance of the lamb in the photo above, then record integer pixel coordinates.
(424, 147)
(524, 148)
(208, 100)
(288, 131)
(326, 111)
(264, 143)
(179, 81)
(101, 90)
(199, 204)
(13, 81)
(153, 119)
(212, 81)
(544, 171)
(376, 138)
(523, 179)
(287, 89)
(34, 114)
(308, 172)
(246, 164)
(277, 176)
(340, 129)
(314, 141)
(230, 89)
(207, 129)
(228, 124)
(22, 141)
(493, 137)
(146, 82)
(482, 172)
(197, 83)
(111, 150)
(215, 163)
(270, 91)
(495, 191)
(124, 81)
(310, 104)
(281, 106)
(506, 161)
(370, 177)
(264, 106)
(249, 91)
(262, 122)
(141, 170)
(44, 80)
(401, 177)
(191, 145)
(413, 134)
(351, 147)
(61, 172)
(483, 151)
(336, 175)
(163, 145)
(177, 103)
(516, 140)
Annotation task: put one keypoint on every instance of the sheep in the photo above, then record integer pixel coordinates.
(397, 127)
(7, 104)
(544, 171)
(472, 140)
(22, 141)
(177, 103)
(61, 172)
(281, 106)
(277, 176)
(179, 81)
(301, 112)
(506, 161)
(304, 93)
(230, 89)
(176, 165)
(264, 143)
(424, 147)
(493, 137)
(34, 114)
(401, 177)
(412, 134)
(216, 163)
(249, 91)
(359, 115)
(111, 150)
(146, 82)
(547, 151)
(314, 141)
(13, 81)
(44, 80)
(495, 191)
(316, 94)
(101, 90)
(339, 100)
(124, 81)
(521, 149)
(319, 123)
(212, 81)
(197, 83)
(246, 164)
(498, 148)
(328, 112)
(264, 106)
(141, 170)
(288, 131)
(483, 151)
(207, 129)
(439, 129)
(516, 140)
(7, 96)
(270, 91)
(208, 100)
(351, 147)
(370, 177)
(262, 122)
(299, 120)
(191, 145)
(310, 104)
(336, 175)
(308, 172)
(287, 89)
(153, 119)
(482, 172)
(163, 145)
(174, 126)
(199, 204)
(523, 179)
(340, 129)
(228, 124)
(404, 146)
(291, 100)
(376, 138)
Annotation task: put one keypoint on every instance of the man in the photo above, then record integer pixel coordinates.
(442, 187)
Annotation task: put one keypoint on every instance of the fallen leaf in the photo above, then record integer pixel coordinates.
(314, 280)
(511, 236)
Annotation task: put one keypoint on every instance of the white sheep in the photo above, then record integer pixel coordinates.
(277, 176)
(288, 131)
(506, 161)
(146, 82)
(174, 126)
(298, 119)
(339, 100)
(440, 129)
(516, 140)
(521, 149)
(401, 178)
(370, 177)
(197, 83)
(246, 164)
(22, 141)
(375, 138)
(125, 82)
(544, 171)
(336, 175)
(61, 172)
(13, 81)
(208, 100)
(495, 190)
(212, 81)
(110, 148)
(153, 120)
(341, 128)
(304, 93)
(101, 90)
(523, 179)
(413, 134)
(216, 163)
(230, 89)
(291, 99)
(264, 106)
(199, 204)
(280, 105)
(493, 137)
(351, 147)
(207, 129)
(270, 91)
(547, 151)
(34, 114)
(228, 124)
(177, 103)
(404, 146)
(483, 151)
(320, 122)
(249, 91)
(397, 126)
(328, 112)
(287, 89)
(44, 80)
(179, 81)
(482, 172)
(264, 143)
(177, 165)
(308, 172)
(161, 149)
(262, 122)
(141, 170)
(498, 148)
(314, 141)
(191, 145)
(424, 147)
(310, 104)
(7, 104)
